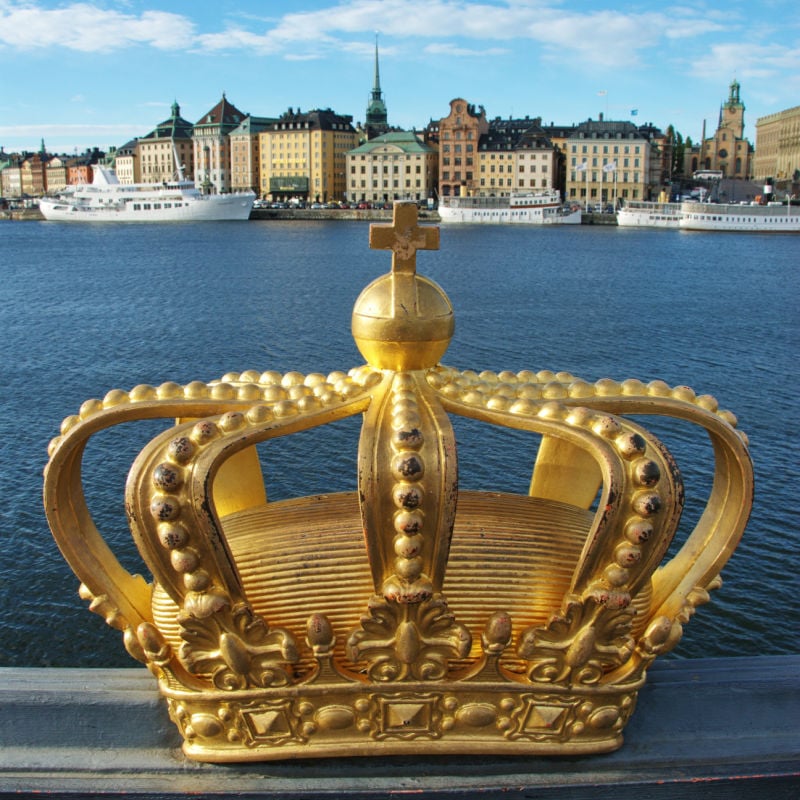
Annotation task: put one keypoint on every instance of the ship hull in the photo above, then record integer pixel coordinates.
(743, 218)
(204, 208)
(519, 208)
(644, 214)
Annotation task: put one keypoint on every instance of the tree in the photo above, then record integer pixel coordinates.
(677, 150)
(678, 154)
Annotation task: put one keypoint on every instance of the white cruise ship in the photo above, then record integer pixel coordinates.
(649, 214)
(526, 208)
(108, 200)
(770, 218)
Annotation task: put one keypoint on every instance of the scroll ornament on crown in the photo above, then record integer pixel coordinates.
(411, 615)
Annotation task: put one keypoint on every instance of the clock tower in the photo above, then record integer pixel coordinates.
(727, 150)
(731, 114)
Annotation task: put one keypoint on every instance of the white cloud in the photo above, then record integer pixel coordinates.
(722, 61)
(586, 34)
(89, 28)
(447, 49)
(94, 132)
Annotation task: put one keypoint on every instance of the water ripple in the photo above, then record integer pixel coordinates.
(87, 308)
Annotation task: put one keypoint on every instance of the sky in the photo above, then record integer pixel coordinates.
(96, 73)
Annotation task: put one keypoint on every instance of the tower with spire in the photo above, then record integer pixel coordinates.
(375, 122)
(166, 151)
(731, 113)
(727, 150)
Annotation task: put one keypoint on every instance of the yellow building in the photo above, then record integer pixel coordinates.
(609, 161)
(126, 163)
(10, 175)
(156, 153)
(392, 166)
(55, 174)
(515, 155)
(32, 170)
(480, 157)
(778, 149)
(303, 155)
(245, 165)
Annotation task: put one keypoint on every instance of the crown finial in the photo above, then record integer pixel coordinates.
(403, 321)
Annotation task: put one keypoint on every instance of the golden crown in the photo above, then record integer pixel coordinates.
(408, 616)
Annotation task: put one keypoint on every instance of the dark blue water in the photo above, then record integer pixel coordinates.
(87, 308)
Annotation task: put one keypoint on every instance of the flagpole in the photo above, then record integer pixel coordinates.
(586, 203)
(584, 167)
(602, 170)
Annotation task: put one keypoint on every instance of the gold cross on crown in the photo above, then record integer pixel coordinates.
(403, 237)
(402, 320)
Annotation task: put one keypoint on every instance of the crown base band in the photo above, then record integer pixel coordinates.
(409, 719)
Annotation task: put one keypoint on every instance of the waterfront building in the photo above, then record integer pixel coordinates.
(459, 134)
(245, 172)
(32, 173)
(211, 151)
(612, 160)
(80, 168)
(158, 150)
(777, 153)
(478, 157)
(727, 150)
(55, 178)
(558, 135)
(376, 121)
(10, 175)
(515, 155)
(303, 155)
(6, 162)
(126, 164)
(393, 166)
(430, 133)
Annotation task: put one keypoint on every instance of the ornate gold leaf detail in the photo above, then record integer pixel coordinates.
(401, 641)
(579, 645)
(237, 649)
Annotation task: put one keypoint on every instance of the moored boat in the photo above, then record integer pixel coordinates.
(527, 208)
(108, 200)
(769, 218)
(649, 214)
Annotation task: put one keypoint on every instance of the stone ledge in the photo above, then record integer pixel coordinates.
(706, 728)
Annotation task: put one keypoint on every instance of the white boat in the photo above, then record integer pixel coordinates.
(108, 200)
(649, 214)
(527, 208)
(769, 218)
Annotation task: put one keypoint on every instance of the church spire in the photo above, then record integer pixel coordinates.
(376, 86)
(375, 122)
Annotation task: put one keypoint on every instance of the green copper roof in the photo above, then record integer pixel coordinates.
(407, 141)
